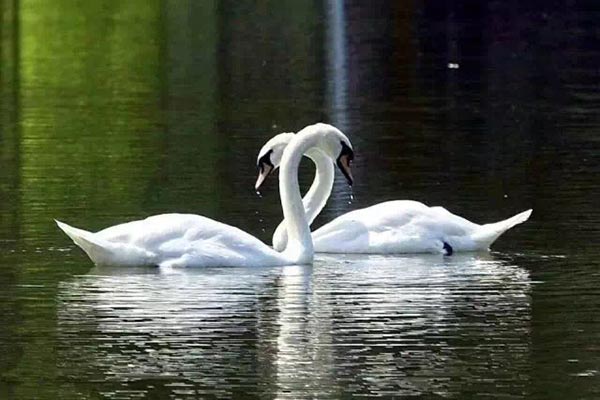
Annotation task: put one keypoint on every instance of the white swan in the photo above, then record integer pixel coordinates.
(177, 240)
(400, 226)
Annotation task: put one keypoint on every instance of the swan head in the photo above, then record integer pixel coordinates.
(343, 160)
(331, 142)
(269, 156)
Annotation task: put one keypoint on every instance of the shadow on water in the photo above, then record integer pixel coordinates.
(367, 325)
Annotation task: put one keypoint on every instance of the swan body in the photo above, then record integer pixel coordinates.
(178, 240)
(406, 226)
(400, 226)
(175, 240)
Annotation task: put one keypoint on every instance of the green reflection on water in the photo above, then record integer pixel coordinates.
(9, 109)
(81, 94)
(90, 91)
(190, 102)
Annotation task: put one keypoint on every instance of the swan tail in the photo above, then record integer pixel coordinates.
(98, 250)
(488, 233)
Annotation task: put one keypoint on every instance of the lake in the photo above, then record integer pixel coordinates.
(112, 111)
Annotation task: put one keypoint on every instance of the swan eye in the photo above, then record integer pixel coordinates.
(265, 161)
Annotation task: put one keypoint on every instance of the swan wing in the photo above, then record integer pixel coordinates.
(206, 242)
(383, 228)
(400, 226)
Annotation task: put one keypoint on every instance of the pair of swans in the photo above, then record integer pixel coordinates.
(186, 240)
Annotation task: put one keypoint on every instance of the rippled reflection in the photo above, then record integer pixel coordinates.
(370, 325)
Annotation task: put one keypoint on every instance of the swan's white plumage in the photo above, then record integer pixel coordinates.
(400, 226)
(177, 240)
(405, 226)
(174, 240)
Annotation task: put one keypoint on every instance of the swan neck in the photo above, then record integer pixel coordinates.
(320, 190)
(299, 245)
(315, 199)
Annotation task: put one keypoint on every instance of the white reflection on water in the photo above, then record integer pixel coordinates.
(337, 71)
(369, 324)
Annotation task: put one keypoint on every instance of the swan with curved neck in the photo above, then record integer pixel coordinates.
(399, 226)
(187, 240)
(315, 198)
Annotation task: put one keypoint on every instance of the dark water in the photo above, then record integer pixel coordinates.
(115, 110)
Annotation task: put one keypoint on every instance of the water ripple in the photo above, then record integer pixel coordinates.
(370, 325)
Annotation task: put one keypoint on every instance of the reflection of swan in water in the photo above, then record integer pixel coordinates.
(380, 316)
(369, 324)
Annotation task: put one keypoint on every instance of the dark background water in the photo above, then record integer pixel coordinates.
(115, 110)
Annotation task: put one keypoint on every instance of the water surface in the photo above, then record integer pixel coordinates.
(112, 111)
